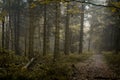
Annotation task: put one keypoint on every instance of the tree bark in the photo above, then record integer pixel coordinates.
(57, 29)
(31, 38)
(17, 28)
(3, 28)
(45, 32)
(67, 32)
(31, 32)
(81, 30)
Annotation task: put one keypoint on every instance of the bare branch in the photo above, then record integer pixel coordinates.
(86, 2)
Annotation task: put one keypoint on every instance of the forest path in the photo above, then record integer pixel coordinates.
(95, 68)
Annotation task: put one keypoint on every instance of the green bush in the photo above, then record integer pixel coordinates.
(55, 72)
(11, 68)
(75, 58)
(10, 65)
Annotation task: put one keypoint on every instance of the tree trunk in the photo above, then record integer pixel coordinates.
(45, 32)
(81, 30)
(67, 36)
(3, 28)
(90, 38)
(31, 38)
(25, 40)
(31, 32)
(117, 40)
(7, 32)
(57, 29)
(17, 28)
(39, 38)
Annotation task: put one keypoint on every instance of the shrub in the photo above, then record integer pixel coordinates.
(43, 68)
(114, 61)
(11, 68)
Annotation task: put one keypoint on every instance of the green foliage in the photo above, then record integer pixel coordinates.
(75, 58)
(54, 71)
(116, 4)
(10, 64)
(11, 67)
(114, 61)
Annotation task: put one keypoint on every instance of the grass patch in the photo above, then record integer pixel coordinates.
(75, 58)
(114, 61)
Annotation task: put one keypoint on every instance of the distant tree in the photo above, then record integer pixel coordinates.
(45, 31)
(81, 28)
(57, 29)
(3, 35)
(31, 30)
(17, 27)
(67, 31)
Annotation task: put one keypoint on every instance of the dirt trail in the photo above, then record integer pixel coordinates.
(94, 68)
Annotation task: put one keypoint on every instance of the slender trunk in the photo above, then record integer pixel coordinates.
(3, 27)
(117, 41)
(70, 41)
(89, 44)
(39, 38)
(10, 27)
(31, 36)
(7, 31)
(17, 28)
(12, 32)
(67, 36)
(57, 28)
(25, 39)
(31, 32)
(81, 30)
(90, 38)
(45, 32)
(48, 37)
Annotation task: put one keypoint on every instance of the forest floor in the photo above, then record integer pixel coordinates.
(94, 68)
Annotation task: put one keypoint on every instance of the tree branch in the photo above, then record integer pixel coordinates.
(86, 2)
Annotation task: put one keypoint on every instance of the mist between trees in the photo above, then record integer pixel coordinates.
(33, 28)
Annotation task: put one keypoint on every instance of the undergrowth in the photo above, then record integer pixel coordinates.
(114, 61)
(74, 58)
(11, 67)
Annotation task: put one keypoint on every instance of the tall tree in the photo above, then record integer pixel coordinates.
(3, 35)
(81, 28)
(57, 29)
(45, 31)
(67, 31)
(17, 27)
(31, 30)
(3, 25)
